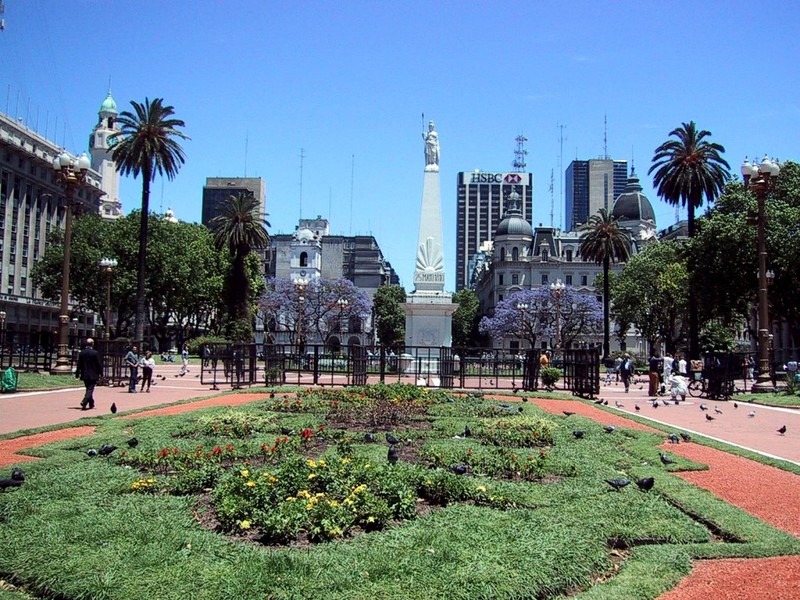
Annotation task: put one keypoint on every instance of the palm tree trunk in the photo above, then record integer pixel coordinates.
(141, 264)
(606, 311)
(694, 334)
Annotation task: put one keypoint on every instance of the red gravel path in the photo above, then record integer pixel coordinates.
(766, 492)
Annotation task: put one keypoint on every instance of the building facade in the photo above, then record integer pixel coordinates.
(218, 189)
(32, 205)
(480, 208)
(590, 185)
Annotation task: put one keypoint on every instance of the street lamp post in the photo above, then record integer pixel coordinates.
(760, 178)
(343, 304)
(71, 173)
(522, 307)
(300, 285)
(557, 290)
(107, 265)
(2, 333)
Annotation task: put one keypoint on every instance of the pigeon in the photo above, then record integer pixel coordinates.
(618, 404)
(17, 479)
(163, 378)
(703, 407)
(605, 402)
(610, 428)
(133, 442)
(391, 439)
(646, 484)
(578, 435)
(91, 453)
(752, 413)
(735, 405)
(782, 430)
(686, 437)
(665, 460)
(17, 474)
(106, 449)
(459, 469)
(709, 417)
(524, 399)
(617, 483)
(655, 403)
(717, 410)
(392, 456)
(467, 431)
(637, 407)
(113, 408)
(568, 413)
(673, 439)
(519, 409)
(599, 401)
(272, 394)
(287, 431)
(369, 437)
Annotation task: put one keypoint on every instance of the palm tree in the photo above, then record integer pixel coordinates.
(687, 169)
(240, 226)
(146, 144)
(605, 243)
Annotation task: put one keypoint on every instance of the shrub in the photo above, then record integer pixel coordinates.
(549, 376)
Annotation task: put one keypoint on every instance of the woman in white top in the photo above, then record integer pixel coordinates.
(148, 363)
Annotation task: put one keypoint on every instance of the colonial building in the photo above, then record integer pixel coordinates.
(523, 257)
(32, 204)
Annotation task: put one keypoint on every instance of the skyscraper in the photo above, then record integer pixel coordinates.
(217, 189)
(591, 185)
(481, 204)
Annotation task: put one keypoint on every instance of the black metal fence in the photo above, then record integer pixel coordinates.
(239, 365)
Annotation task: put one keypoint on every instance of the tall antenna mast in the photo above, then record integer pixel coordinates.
(551, 197)
(519, 154)
(302, 156)
(605, 137)
(560, 170)
(352, 176)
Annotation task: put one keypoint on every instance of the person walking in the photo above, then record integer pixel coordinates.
(184, 360)
(625, 371)
(653, 368)
(89, 370)
(682, 365)
(131, 361)
(668, 365)
(148, 363)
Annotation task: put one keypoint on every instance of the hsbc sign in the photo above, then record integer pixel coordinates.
(507, 178)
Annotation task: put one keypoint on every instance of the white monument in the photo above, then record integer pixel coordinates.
(429, 309)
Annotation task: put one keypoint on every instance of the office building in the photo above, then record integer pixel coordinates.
(590, 185)
(480, 207)
(218, 189)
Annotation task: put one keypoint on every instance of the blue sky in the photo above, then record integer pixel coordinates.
(347, 82)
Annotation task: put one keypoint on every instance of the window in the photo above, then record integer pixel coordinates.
(568, 279)
(544, 254)
(544, 279)
(500, 298)
(502, 253)
(514, 279)
(500, 279)
(515, 253)
(584, 280)
(569, 254)
(303, 259)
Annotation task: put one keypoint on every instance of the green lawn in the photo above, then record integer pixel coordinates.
(185, 513)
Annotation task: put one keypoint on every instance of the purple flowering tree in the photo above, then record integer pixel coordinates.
(539, 313)
(317, 311)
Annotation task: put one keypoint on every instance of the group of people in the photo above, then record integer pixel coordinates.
(89, 369)
(663, 373)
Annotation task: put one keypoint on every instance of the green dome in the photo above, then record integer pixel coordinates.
(108, 104)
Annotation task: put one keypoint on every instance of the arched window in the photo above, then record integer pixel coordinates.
(515, 253)
(303, 259)
(502, 253)
(569, 254)
(545, 254)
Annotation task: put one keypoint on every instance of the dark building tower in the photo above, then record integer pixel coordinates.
(480, 208)
(217, 189)
(591, 185)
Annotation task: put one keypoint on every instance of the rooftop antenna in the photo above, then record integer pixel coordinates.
(352, 175)
(519, 154)
(302, 156)
(551, 197)
(605, 137)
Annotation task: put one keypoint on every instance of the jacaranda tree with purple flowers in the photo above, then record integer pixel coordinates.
(535, 315)
(327, 305)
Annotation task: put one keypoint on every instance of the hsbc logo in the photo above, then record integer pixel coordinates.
(507, 178)
(512, 178)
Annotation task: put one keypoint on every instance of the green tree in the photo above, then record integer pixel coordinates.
(390, 320)
(240, 227)
(466, 318)
(651, 294)
(688, 169)
(146, 144)
(605, 243)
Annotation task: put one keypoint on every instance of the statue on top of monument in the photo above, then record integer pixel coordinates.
(431, 147)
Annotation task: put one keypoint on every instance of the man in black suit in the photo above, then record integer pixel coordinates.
(89, 370)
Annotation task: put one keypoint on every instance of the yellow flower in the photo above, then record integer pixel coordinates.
(244, 524)
(291, 499)
(370, 519)
(251, 483)
(311, 464)
(244, 473)
(303, 494)
(312, 475)
(344, 460)
(481, 488)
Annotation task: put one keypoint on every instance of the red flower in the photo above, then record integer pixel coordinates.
(217, 450)
(229, 447)
(307, 433)
(163, 453)
(175, 450)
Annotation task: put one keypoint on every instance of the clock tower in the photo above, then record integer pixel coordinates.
(306, 249)
(100, 148)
